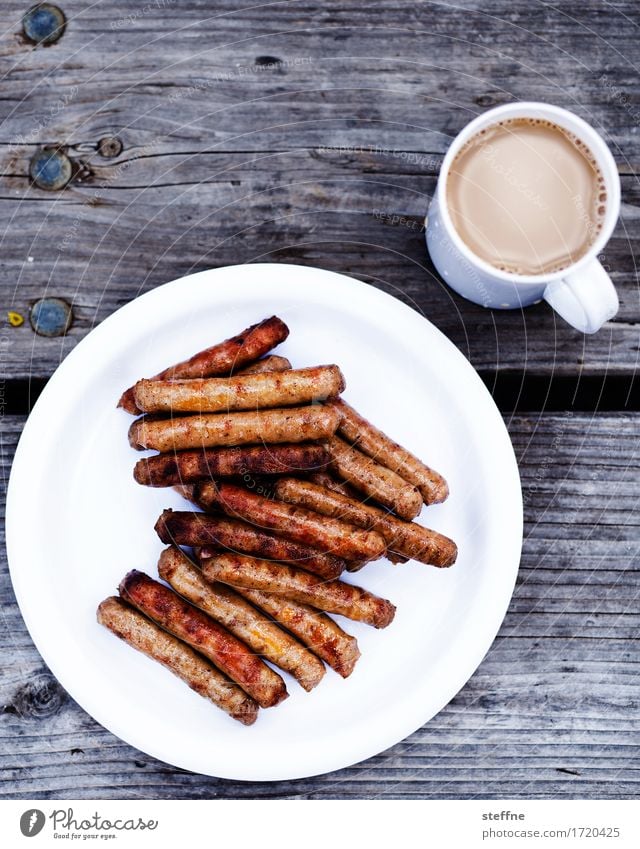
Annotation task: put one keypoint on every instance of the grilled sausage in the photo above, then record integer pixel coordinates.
(182, 467)
(187, 491)
(145, 636)
(206, 636)
(361, 433)
(241, 618)
(394, 557)
(298, 424)
(270, 363)
(315, 629)
(204, 551)
(323, 477)
(329, 535)
(331, 596)
(242, 392)
(199, 529)
(221, 359)
(407, 539)
(374, 480)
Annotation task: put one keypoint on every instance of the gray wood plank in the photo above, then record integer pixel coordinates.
(326, 157)
(552, 712)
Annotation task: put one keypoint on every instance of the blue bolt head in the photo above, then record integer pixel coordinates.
(51, 317)
(44, 23)
(50, 169)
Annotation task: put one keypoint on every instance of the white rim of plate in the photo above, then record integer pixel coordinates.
(414, 715)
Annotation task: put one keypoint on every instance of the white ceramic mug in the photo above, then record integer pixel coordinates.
(583, 293)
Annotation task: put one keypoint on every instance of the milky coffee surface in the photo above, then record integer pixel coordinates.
(526, 196)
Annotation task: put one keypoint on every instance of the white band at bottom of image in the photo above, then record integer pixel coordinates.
(274, 823)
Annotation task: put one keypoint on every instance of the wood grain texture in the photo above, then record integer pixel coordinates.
(294, 132)
(552, 712)
(313, 133)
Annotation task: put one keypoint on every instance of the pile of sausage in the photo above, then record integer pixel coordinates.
(296, 487)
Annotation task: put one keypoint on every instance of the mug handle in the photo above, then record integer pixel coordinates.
(586, 298)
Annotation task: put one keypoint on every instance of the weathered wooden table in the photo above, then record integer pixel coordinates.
(197, 134)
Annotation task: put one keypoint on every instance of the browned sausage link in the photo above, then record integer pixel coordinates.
(209, 638)
(145, 636)
(204, 551)
(242, 392)
(244, 621)
(325, 478)
(233, 353)
(372, 441)
(374, 480)
(297, 424)
(222, 358)
(187, 491)
(182, 467)
(239, 570)
(312, 627)
(393, 557)
(405, 538)
(295, 523)
(270, 363)
(357, 565)
(199, 529)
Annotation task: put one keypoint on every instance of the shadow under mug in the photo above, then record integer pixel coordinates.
(582, 293)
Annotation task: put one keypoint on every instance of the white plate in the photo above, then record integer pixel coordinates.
(77, 521)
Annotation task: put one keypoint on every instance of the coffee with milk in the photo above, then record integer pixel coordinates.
(526, 196)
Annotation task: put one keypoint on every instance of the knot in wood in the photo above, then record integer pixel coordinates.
(39, 698)
(109, 147)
